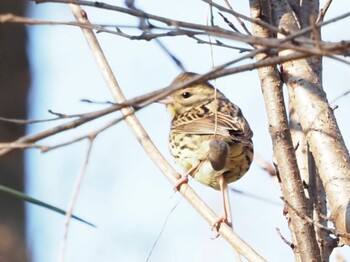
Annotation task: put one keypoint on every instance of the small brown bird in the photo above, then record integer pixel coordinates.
(209, 137)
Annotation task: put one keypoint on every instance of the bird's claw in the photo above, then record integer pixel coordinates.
(217, 224)
(182, 180)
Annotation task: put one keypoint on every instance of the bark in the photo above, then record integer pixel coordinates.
(14, 84)
(325, 241)
(303, 234)
(314, 190)
(319, 126)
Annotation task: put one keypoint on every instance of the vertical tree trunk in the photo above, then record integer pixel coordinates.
(318, 122)
(14, 84)
(303, 234)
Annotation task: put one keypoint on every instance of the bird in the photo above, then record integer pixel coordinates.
(209, 138)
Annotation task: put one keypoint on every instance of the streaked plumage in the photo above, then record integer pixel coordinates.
(198, 119)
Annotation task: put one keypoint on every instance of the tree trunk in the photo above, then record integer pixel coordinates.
(14, 85)
(318, 124)
(304, 239)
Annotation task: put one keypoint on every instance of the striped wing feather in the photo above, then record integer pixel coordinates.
(233, 127)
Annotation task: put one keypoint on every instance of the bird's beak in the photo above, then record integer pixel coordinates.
(166, 100)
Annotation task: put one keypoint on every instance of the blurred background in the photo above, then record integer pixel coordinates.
(123, 192)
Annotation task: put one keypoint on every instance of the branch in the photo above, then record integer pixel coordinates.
(323, 11)
(238, 19)
(212, 30)
(315, 223)
(265, 165)
(84, 118)
(73, 199)
(290, 244)
(252, 20)
(87, 136)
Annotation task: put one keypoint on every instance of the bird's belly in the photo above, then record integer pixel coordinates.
(191, 151)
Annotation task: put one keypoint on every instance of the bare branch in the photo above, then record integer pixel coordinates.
(88, 136)
(221, 44)
(252, 20)
(315, 223)
(238, 19)
(323, 11)
(265, 165)
(212, 30)
(216, 31)
(315, 32)
(178, 63)
(254, 196)
(60, 128)
(339, 97)
(35, 121)
(229, 23)
(14, 145)
(290, 244)
(73, 199)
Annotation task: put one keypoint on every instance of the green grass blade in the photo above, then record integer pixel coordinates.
(34, 201)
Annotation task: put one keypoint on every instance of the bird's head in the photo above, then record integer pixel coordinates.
(188, 97)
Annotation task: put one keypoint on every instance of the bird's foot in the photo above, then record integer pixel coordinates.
(217, 224)
(182, 180)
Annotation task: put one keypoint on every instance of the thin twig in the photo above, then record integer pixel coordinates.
(252, 20)
(313, 222)
(215, 31)
(268, 42)
(14, 145)
(290, 244)
(340, 96)
(162, 230)
(256, 197)
(323, 12)
(85, 118)
(177, 61)
(265, 165)
(73, 200)
(237, 18)
(35, 121)
(97, 102)
(229, 23)
(144, 100)
(329, 47)
(347, 62)
(87, 136)
(221, 44)
(315, 32)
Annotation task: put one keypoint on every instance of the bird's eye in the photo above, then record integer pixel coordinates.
(186, 95)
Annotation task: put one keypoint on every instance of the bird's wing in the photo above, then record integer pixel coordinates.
(230, 126)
